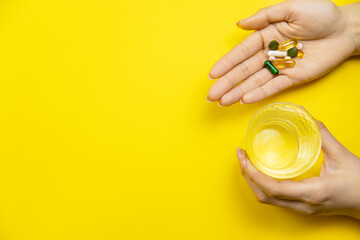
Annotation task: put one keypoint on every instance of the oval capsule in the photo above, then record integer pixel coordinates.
(283, 63)
(284, 46)
(276, 53)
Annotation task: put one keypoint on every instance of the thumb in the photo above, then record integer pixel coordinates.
(330, 146)
(265, 16)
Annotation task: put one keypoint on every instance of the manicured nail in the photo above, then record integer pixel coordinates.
(209, 100)
(210, 77)
(239, 22)
(239, 152)
(241, 101)
(242, 159)
(219, 103)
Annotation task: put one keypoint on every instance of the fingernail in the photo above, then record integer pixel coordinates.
(209, 100)
(210, 77)
(242, 159)
(239, 22)
(219, 103)
(239, 152)
(241, 101)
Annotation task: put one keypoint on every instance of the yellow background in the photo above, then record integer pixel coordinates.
(106, 132)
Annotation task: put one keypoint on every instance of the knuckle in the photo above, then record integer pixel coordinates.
(276, 85)
(274, 192)
(260, 58)
(320, 196)
(246, 51)
(258, 81)
(316, 199)
(245, 70)
(229, 61)
(261, 10)
(266, 91)
(229, 80)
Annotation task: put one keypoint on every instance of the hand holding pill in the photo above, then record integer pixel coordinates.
(300, 29)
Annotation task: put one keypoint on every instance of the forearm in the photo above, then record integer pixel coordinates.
(352, 12)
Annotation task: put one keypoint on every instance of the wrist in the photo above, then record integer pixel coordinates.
(352, 15)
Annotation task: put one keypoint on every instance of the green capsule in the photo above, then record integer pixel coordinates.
(273, 45)
(292, 52)
(271, 67)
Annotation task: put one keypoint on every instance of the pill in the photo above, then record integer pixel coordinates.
(273, 45)
(283, 63)
(299, 46)
(287, 57)
(300, 54)
(277, 53)
(272, 58)
(284, 46)
(271, 67)
(292, 52)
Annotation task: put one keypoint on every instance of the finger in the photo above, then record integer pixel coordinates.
(256, 80)
(295, 205)
(236, 75)
(298, 206)
(331, 147)
(236, 55)
(262, 197)
(285, 189)
(265, 16)
(273, 86)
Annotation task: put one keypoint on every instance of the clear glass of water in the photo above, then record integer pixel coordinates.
(283, 140)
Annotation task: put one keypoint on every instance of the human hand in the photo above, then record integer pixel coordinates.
(325, 30)
(334, 192)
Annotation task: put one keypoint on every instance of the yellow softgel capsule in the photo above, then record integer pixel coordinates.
(284, 46)
(283, 63)
(300, 54)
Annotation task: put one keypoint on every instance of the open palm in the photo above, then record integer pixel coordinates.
(320, 26)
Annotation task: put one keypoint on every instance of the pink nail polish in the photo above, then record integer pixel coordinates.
(238, 152)
(209, 100)
(241, 21)
(210, 77)
(243, 161)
